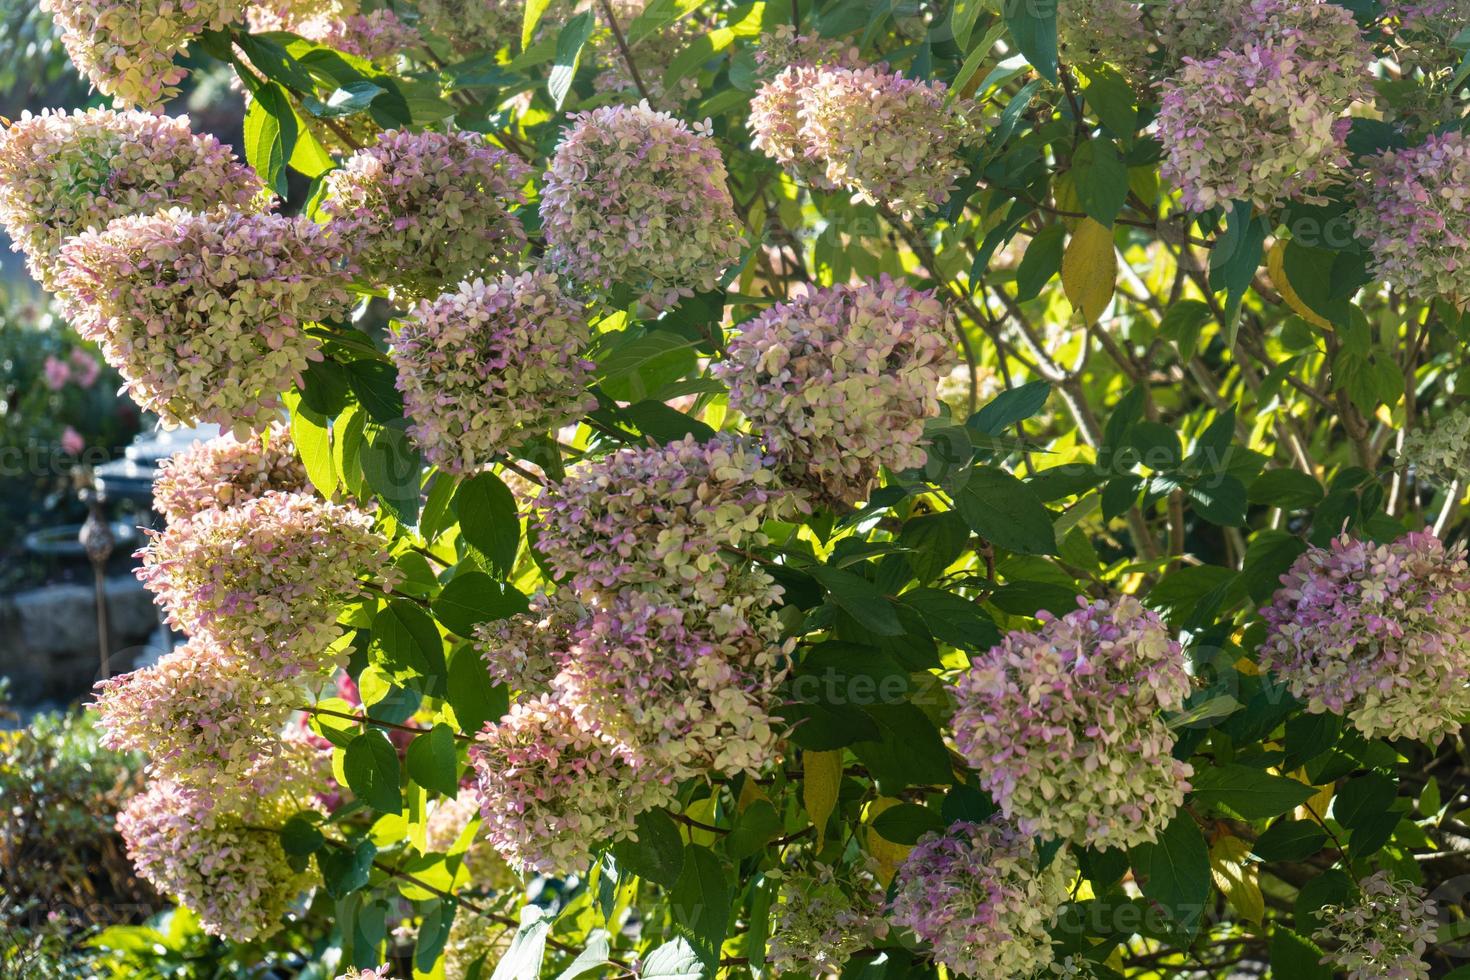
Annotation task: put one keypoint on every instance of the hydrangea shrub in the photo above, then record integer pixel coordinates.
(845, 489)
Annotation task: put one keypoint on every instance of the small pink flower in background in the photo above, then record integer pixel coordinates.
(72, 441)
(85, 368)
(57, 372)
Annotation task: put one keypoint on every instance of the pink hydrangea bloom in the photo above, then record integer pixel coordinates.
(664, 518)
(62, 173)
(376, 35)
(72, 441)
(226, 471)
(637, 198)
(1064, 725)
(127, 47)
(838, 382)
(552, 791)
(490, 364)
(205, 315)
(1415, 213)
(1263, 120)
(421, 211)
(1383, 934)
(267, 578)
(888, 139)
(197, 846)
(381, 973)
(821, 919)
(1379, 633)
(693, 693)
(977, 894)
(84, 367)
(200, 718)
(526, 652)
(56, 372)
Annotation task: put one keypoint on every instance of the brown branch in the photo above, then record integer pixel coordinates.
(623, 49)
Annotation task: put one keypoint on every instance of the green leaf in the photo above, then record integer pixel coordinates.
(475, 698)
(1287, 489)
(935, 541)
(1182, 323)
(1295, 957)
(1221, 500)
(1175, 871)
(1362, 800)
(658, 853)
(1004, 511)
(371, 766)
(952, 618)
(676, 960)
(391, 466)
(433, 762)
(1033, 24)
(907, 822)
(270, 135)
(522, 961)
(1009, 407)
(569, 44)
(909, 750)
(406, 643)
(1101, 179)
(1290, 840)
(314, 445)
(594, 955)
(701, 900)
(472, 598)
(488, 520)
(1112, 98)
(433, 934)
(300, 837)
(346, 869)
(375, 385)
(633, 366)
(1251, 793)
(531, 18)
(1042, 261)
(860, 599)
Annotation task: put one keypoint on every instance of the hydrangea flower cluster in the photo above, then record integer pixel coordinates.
(888, 139)
(838, 382)
(487, 365)
(126, 48)
(267, 578)
(820, 920)
(376, 35)
(1379, 633)
(194, 845)
(526, 652)
(548, 787)
(1064, 725)
(226, 471)
(204, 315)
(64, 172)
(637, 198)
(381, 973)
(1441, 453)
(1384, 934)
(663, 519)
(199, 717)
(474, 25)
(977, 894)
(474, 947)
(694, 697)
(1103, 31)
(1415, 214)
(421, 211)
(1262, 121)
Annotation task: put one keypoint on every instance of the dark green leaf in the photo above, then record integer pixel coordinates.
(270, 135)
(371, 766)
(1101, 179)
(701, 900)
(1033, 24)
(472, 598)
(658, 853)
(1175, 871)
(475, 698)
(1220, 500)
(488, 520)
(1042, 261)
(859, 598)
(907, 822)
(569, 44)
(433, 762)
(1290, 840)
(1296, 957)
(346, 869)
(1006, 512)
(406, 644)
(1009, 407)
(1250, 793)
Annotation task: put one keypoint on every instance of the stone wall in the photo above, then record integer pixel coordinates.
(48, 637)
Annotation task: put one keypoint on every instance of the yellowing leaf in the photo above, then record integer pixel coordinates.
(1090, 269)
(886, 854)
(821, 776)
(1316, 807)
(1237, 878)
(1276, 266)
(1064, 192)
(750, 792)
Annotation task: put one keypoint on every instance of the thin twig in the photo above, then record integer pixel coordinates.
(624, 50)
